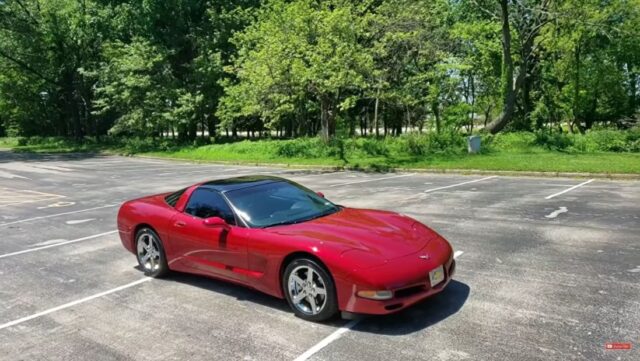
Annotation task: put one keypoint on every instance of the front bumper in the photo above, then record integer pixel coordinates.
(408, 279)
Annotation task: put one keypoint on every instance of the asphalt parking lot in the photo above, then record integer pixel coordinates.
(548, 269)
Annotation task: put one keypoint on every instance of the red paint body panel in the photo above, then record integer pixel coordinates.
(363, 250)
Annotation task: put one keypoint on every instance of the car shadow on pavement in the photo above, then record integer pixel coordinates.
(239, 292)
(413, 319)
(419, 316)
(8, 155)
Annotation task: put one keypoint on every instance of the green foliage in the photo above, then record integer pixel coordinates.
(555, 140)
(293, 51)
(596, 140)
(299, 68)
(302, 148)
(432, 143)
(137, 84)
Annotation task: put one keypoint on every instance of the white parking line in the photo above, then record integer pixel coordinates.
(557, 212)
(457, 254)
(30, 201)
(569, 189)
(200, 171)
(55, 244)
(327, 340)
(71, 304)
(459, 184)
(57, 215)
(370, 180)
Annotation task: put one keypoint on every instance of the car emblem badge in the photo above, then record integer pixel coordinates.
(424, 257)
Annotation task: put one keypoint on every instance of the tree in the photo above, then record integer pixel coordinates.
(136, 84)
(294, 50)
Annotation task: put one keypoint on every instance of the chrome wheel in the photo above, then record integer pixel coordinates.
(148, 252)
(307, 290)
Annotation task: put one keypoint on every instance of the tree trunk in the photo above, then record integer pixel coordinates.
(487, 114)
(324, 119)
(473, 102)
(211, 125)
(436, 113)
(510, 86)
(576, 90)
(375, 116)
(633, 89)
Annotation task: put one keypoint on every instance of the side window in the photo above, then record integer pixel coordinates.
(172, 199)
(205, 203)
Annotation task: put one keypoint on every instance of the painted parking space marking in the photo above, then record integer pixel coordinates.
(371, 180)
(79, 221)
(200, 171)
(557, 212)
(10, 197)
(56, 215)
(58, 205)
(569, 189)
(457, 254)
(327, 340)
(73, 303)
(460, 184)
(17, 253)
(8, 175)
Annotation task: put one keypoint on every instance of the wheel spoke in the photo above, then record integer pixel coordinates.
(299, 297)
(321, 291)
(309, 275)
(312, 304)
(145, 258)
(298, 281)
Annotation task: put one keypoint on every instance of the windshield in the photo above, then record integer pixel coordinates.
(278, 203)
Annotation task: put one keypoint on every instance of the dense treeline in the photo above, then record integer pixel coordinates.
(185, 68)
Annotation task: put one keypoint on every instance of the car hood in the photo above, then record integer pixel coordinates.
(386, 235)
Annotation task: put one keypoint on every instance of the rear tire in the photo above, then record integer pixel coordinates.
(310, 290)
(150, 253)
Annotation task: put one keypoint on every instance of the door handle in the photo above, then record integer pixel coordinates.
(180, 224)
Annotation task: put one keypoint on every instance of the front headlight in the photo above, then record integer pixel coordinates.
(376, 295)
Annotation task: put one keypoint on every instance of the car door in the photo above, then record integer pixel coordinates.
(216, 251)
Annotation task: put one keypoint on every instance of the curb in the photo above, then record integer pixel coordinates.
(507, 173)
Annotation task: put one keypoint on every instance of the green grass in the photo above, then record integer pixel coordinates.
(506, 152)
(543, 161)
(8, 142)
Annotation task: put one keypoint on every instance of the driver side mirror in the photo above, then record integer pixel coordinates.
(320, 194)
(214, 222)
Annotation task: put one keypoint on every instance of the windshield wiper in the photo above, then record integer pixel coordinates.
(322, 214)
(283, 223)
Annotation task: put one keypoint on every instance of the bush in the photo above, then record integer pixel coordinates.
(557, 141)
(604, 140)
(432, 143)
(142, 145)
(305, 148)
(509, 141)
(372, 147)
(596, 140)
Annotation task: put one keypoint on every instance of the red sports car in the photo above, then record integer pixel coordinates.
(278, 237)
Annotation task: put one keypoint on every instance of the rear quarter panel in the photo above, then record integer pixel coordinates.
(150, 211)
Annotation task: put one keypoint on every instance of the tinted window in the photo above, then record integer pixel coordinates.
(278, 203)
(205, 203)
(172, 199)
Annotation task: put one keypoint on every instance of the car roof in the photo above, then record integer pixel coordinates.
(231, 184)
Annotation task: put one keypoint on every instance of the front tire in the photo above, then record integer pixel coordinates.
(310, 290)
(150, 254)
